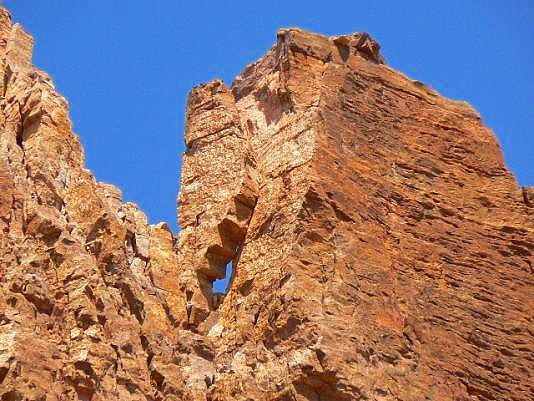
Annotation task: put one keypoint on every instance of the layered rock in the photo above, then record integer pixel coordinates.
(380, 248)
(388, 255)
(89, 308)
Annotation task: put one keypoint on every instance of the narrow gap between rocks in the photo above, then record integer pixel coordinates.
(222, 285)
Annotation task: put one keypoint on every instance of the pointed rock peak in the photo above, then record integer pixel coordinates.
(4, 15)
(334, 48)
(361, 43)
(15, 43)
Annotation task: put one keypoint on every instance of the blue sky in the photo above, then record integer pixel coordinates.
(126, 68)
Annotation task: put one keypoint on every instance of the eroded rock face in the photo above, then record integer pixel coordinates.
(381, 250)
(89, 307)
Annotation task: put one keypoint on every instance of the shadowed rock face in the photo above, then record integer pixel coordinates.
(381, 249)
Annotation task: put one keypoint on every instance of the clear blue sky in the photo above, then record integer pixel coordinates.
(126, 68)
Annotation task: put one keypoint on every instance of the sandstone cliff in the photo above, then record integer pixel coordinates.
(381, 250)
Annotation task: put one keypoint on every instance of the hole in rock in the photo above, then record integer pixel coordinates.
(223, 259)
(221, 286)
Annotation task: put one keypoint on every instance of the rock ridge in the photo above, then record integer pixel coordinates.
(380, 248)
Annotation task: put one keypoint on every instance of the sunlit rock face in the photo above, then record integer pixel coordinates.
(89, 304)
(381, 250)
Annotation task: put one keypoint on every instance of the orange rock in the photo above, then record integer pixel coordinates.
(381, 250)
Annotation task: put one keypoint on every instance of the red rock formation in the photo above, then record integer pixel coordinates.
(88, 305)
(381, 249)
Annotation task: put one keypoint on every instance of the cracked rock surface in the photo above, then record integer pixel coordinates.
(381, 250)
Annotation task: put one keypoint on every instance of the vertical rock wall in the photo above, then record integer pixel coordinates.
(378, 263)
(217, 195)
(381, 250)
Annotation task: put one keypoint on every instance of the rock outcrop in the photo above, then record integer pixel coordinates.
(380, 248)
(89, 306)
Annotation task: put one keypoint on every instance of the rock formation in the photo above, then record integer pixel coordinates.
(381, 250)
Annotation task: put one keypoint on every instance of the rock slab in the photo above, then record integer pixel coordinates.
(381, 250)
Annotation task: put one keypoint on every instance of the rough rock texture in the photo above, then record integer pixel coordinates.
(89, 305)
(381, 250)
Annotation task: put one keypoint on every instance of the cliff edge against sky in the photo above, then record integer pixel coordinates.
(381, 249)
